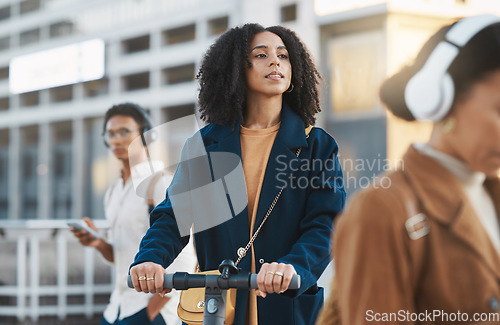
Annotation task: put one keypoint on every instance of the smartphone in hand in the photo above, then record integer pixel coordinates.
(80, 225)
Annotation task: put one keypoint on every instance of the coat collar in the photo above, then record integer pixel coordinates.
(443, 199)
(291, 133)
(441, 193)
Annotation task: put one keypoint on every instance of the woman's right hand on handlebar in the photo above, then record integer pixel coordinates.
(147, 277)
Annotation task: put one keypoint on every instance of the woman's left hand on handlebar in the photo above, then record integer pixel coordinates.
(148, 277)
(274, 278)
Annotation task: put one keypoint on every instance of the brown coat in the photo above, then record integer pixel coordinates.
(379, 269)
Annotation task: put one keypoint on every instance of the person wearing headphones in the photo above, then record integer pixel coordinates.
(423, 245)
(128, 217)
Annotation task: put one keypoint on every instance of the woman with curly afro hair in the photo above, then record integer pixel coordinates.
(222, 76)
(259, 97)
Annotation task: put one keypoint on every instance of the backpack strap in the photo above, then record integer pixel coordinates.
(418, 227)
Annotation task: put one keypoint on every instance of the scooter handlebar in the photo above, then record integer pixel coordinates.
(183, 281)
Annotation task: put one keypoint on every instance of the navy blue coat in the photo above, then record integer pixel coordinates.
(297, 231)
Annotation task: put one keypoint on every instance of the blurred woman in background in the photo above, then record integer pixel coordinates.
(427, 239)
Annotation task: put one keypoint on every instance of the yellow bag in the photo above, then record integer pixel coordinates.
(192, 303)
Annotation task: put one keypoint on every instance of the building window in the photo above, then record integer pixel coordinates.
(4, 178)
(28, 165)
(61, 94)
(175, 75)
(4, 174)
(30, 136)
(29, 175)
(4, 43)
(62, 134)
(29, 178)
(29, 37)
(135, 81)
(177, 132)
(136, 44)
(4, 190)
(289, 13)
(4, 103)
(59, 165)
(3, 163)
(4, 73)
(62, 28)
(30, 99)
(356, 61)
(179, 35)
(4, 13)
(4, 207)
(174, 112)
(218, 25)
(96, 88)
(28, 6)
(4, 138)
(62, 182)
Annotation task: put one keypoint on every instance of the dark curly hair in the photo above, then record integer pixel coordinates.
(222, 97)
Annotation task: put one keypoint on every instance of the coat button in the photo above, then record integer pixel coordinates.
(261, 261)
(493, 303)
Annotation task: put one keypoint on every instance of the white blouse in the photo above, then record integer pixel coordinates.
(127, 215)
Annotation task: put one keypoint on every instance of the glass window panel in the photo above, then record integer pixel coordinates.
(356, 64)
(4, 43)
(5, 13)
(179, 35)
(62, 28)
(29, 37)
(136, 44)
(175, 75)
(28, 6)
(30, 99)
(96, 88)
(61, 94)
(4, 103)
(289, 13)
(136, 81)
(218, 25)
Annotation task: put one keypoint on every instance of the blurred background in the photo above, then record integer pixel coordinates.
(63, 63)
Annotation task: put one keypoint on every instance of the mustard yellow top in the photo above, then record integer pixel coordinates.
(256, 145)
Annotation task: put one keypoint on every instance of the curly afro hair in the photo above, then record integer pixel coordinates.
(222, 96)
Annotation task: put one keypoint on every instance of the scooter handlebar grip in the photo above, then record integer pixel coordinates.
(294, 283)
(168, 281)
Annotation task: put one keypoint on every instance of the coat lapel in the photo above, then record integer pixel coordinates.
(226, 139)
(493, 186)
(469, 229)
(290, 137)
(445, 201)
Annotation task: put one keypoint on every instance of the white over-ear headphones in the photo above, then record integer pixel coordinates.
(429, 93)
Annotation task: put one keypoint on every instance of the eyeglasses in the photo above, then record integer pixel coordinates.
(122, 134)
